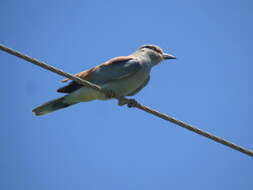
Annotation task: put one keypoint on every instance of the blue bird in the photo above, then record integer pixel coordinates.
(122, 76)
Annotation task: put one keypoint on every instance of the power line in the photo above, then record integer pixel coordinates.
(137, 105)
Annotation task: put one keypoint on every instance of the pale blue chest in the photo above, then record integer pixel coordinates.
(128, 85)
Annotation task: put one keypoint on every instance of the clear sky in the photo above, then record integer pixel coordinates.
(98, 145)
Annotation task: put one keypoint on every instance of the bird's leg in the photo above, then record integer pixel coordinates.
(122, 101)
(130, 102)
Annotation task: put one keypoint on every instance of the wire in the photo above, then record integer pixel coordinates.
(136, 104)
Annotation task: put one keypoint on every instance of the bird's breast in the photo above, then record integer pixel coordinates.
(127, 85)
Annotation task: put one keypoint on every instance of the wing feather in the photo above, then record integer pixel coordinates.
(114, 69)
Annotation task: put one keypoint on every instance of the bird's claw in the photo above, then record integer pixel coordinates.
(130, 102)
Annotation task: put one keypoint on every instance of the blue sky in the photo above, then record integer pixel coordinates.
(98, 145)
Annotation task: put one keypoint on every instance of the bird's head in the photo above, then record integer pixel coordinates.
(155, 53)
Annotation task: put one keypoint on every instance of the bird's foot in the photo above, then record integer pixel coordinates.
(130, 102)
(109, 93)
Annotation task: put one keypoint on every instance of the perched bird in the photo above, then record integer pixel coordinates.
(122, 76)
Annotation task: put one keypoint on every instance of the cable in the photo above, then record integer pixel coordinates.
(136, 104)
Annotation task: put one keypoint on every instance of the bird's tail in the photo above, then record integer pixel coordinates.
(51, 106)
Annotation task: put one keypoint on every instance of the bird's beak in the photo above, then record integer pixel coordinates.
(168, 56)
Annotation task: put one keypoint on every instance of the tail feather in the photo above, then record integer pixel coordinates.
(51, 106)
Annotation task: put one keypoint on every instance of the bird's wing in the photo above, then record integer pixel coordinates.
(114, 69)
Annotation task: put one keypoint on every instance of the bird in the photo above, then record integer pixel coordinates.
(119, 77)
